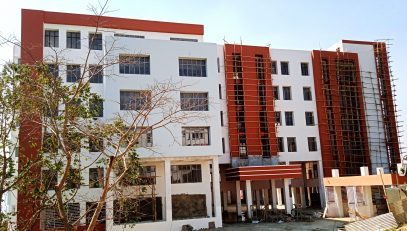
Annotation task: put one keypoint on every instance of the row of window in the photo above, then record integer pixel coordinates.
(147, 175)
(289, 118)
(306, 92)
(73, 39)
(139, 100)
(292, 144)
(130, 64)
(191, 136)
(73, 73)
(285, 68)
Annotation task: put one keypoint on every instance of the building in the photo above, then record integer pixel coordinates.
(279, 120)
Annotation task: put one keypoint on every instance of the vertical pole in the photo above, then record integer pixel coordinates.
(288, 201)
(274, 194)
(216, 192)
(249, 201)
(168, 193)
(238, 200)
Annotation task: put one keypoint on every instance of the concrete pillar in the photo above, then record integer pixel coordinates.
(293, 196)
(168, 193)
(274, 194)
(238, 201)
(258, 198)
(266, 196)
(225, 200)
(279, 196)
(321, 184)
(338, 195)
(249, 200)
(367, 193)
(302, 194)
(216, 192)
(288, 201)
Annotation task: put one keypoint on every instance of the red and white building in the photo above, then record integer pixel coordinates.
(279, 120)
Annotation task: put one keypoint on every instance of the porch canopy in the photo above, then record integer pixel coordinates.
(264, 172)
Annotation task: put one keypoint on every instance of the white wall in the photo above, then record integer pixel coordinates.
(297, 105)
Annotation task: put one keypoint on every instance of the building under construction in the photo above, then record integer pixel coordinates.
(293, 116)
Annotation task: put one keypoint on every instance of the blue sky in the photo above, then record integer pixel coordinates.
(305, 24)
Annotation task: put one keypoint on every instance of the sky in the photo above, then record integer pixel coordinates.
(288, 24)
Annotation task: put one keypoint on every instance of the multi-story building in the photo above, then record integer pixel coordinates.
(277, 120)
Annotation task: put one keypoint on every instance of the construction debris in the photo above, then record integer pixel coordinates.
(381, 222)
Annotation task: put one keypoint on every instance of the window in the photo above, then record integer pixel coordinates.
(96, 107)
(220, 91)
(280, 141)
(186, 174)
(309, 118)
(276, 93)
(129, 36)
(51, 220)
(194, 101)
(53, 69)
(147, 175)
(291, 144)
(192, 67)
(145, 137)
(223, 145)
(274, 67)
(184, 39)
(96, 73)
(277, 117)
(221, 119)
(218, 63)
(90, 210)
(73, 212)
(95, 144)
(195, 136)
(289, 118)
(132, 210)
(73, 40)
(73, 73)
(134, 64)
(284, 68)
(51, 38)
(49, 179)
(287, 93)
(304, 69)
(135, 100)
(95, 41)
(312, 144)
(96, 177)
(74, 179)
(307, 93)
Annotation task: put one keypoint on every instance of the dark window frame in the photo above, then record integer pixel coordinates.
(51, 38)
(186, 174)
(73, 73)
(192, 67)
(304, 69)
(194, 101)
(285, 68)
(291, 144)
(134, 64)
(73, 39)
(95, 41)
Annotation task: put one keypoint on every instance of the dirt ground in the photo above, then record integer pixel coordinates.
(318, 225)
